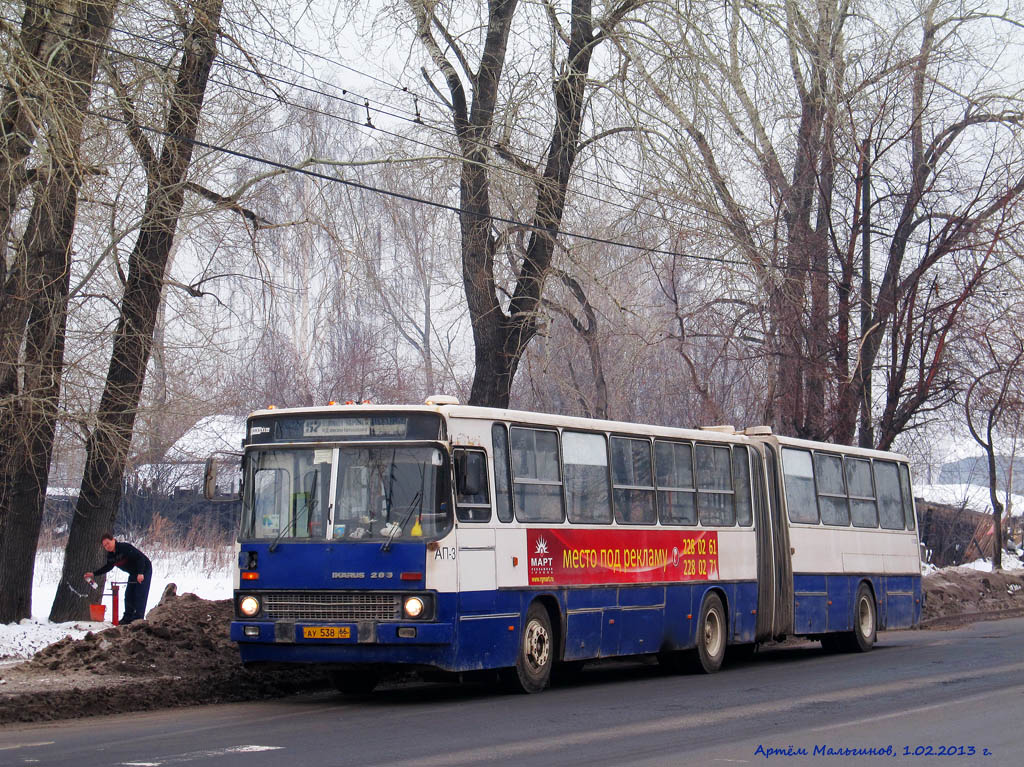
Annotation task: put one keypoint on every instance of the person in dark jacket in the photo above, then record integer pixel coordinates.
(140, 573)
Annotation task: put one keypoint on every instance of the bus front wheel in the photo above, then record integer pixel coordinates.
(711, 635)
(535, 658)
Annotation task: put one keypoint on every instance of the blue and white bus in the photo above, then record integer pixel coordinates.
(439, 536)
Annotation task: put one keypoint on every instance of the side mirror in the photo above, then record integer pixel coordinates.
(222, 477)
(470, 472)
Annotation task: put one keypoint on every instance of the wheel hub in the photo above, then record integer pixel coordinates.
(712, 633)
(538, 646)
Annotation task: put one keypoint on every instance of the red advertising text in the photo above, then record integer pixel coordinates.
(566, 557)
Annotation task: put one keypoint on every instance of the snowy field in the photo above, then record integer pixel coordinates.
(206, 573)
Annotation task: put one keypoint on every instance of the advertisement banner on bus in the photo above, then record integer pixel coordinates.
(567, 557)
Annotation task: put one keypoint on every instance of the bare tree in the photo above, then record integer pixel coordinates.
(475, 89)
(408, 266)
(53, 61)
(867, 178)
(108, 444)
(993, 403)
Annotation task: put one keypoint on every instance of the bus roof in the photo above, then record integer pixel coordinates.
(450, 409)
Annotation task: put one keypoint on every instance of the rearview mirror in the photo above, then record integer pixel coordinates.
(222, 477)
(470, 472)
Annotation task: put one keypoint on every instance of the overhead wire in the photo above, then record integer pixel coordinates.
(366, 187)
(549, 231)
(396, 113)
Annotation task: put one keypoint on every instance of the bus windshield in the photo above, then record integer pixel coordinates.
(381, 493)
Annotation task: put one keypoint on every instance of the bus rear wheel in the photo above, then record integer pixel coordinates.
(535, 658)
(862, 638)
(355, 681)
(711, 635)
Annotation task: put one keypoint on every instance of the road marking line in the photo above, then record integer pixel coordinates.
(919, 709)
(14, 746)
(192, 756)
(703, 718)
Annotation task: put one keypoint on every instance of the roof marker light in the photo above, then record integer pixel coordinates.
(441, 399)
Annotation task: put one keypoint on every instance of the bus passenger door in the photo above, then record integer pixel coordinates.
(782, 565)
(766, 592)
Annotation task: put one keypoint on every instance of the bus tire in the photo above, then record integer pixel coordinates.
(535, 658)
(355, 681)
(711, 635)
(865, 621)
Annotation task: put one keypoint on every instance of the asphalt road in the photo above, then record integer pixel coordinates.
(921, 698)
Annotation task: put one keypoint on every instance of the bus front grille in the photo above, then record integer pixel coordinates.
(331, 606)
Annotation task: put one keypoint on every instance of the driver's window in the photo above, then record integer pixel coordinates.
(472, 496)
(354, 492)
(270, 487)
(310, 510)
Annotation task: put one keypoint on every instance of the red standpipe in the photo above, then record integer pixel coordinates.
(115, 588)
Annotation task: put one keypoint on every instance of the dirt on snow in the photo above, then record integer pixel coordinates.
(962, 595)
(181, 655)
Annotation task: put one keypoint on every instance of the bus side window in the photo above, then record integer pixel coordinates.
(677, 495)
(863, 511)
(585, 457)
(715, 505)
(908, 497)
(633, 481)
(536, 475)
(472, 498)
(890, 500)
(502, 482)
(798, 473)
(741, 482)
(835, 508)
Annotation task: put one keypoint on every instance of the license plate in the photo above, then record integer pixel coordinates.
(326, 632)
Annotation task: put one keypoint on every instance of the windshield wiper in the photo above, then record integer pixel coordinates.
(415, 505)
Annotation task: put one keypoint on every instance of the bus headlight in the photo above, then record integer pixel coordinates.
(413, 607)
(249, 606)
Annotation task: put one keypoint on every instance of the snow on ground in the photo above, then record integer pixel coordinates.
(1010, 562)
(207, 573)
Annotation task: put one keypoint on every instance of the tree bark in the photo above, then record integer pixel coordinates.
(108, 445)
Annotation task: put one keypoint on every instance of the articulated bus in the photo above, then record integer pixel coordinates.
(376, 539)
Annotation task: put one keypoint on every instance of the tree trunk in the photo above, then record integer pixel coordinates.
(17, 128)
(32, 385)
(500, 338)
(108, 445)
(997, 509)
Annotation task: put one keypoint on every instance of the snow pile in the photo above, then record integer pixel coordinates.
(1010, 561)
(207, 574)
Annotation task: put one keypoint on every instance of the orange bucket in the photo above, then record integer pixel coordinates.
(97, 612)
